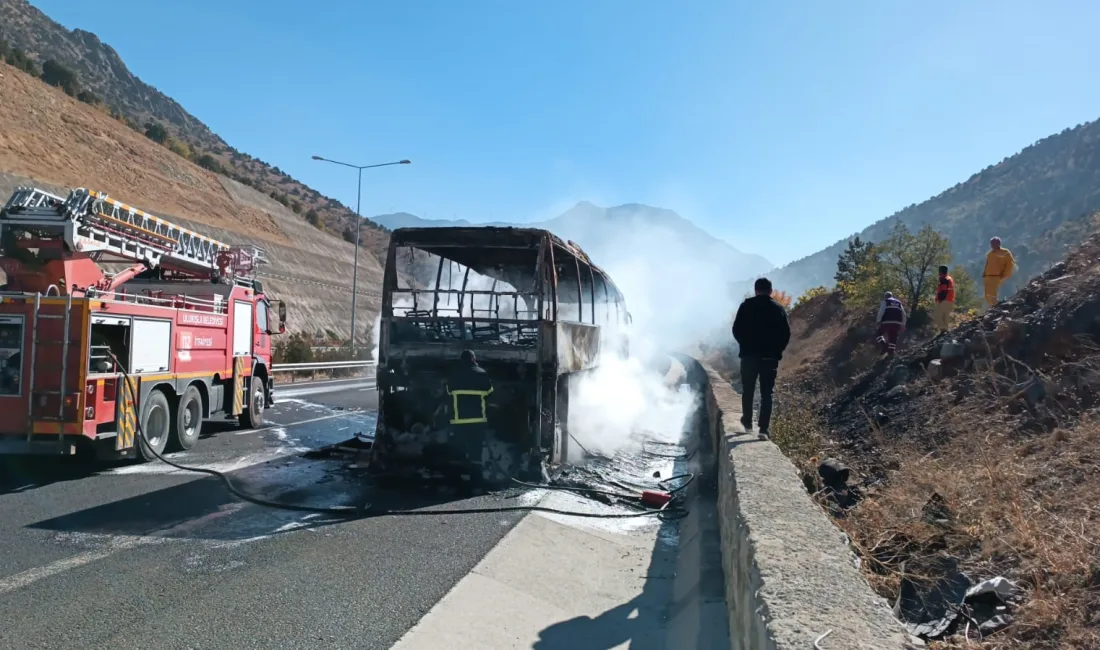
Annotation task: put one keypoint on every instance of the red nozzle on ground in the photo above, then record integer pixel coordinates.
(655, 498)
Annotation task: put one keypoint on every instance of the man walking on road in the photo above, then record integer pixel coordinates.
(762, 333)
(945, 302)
(999, 265)
(891, 322)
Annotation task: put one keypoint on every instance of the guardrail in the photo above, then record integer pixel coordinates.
(323, 366)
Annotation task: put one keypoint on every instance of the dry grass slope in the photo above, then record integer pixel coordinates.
(999, 435)
(48, 138)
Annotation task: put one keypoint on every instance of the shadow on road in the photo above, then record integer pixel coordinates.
(292, 479)
(22, 473)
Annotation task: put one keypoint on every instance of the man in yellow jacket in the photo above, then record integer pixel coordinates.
(999, 265)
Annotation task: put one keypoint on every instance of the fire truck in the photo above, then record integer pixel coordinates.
(113, 318)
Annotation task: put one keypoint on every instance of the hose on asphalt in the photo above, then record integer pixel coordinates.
(667, 512)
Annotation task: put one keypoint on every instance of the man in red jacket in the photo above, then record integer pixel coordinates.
(945, 301)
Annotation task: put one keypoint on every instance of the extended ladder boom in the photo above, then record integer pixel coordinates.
(90, 222)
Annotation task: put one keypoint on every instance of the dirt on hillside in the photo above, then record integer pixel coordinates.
(970, 457)
(51, 140)
(47, 135)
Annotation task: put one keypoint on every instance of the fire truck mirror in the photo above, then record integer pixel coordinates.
(281, 309)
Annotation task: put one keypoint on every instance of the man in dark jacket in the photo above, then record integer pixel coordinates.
(762, 332)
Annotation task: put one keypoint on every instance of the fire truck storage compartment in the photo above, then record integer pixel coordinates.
(11, 355)
(152, 348)
(242, 328)
(109, 333)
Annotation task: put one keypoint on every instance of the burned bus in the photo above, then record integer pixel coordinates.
(536, 313)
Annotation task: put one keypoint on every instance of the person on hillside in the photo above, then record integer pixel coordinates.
(999, 265)
(945, 302)
(762, 332)
(891, 322)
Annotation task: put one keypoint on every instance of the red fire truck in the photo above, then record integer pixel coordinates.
(97, 290)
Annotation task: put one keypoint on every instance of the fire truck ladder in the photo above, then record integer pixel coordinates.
(90, 221)
(33, 391)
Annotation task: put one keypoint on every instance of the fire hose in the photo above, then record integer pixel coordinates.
(659, 504)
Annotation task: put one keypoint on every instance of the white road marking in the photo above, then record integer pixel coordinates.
(315, 390)
(244, 432)
(117, 544)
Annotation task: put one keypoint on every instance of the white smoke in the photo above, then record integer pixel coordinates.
(375, 337)
(623, 403)
(677, 296)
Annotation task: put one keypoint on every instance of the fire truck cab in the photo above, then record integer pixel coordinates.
(114, 321)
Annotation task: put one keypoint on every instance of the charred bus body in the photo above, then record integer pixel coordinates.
(535, 311)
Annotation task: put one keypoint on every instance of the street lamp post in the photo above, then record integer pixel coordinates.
(358, 226)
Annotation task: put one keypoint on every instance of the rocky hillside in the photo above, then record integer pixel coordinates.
(1045, 188)
(51, 140)
(100, 71)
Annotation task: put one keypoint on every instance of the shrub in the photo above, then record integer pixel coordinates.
(18, 58)
(179, 148)
(88, 97)
(156, 132)
(59, 76)
(206, 161)
(783, 298)
(810, 294)
(313, 218)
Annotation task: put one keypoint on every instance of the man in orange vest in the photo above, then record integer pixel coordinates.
(999, 265)
(945, 301)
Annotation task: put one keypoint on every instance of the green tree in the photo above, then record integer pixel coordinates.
(313, 218)
(871, 279)
(911, 262)
(59, 76)
(156, 132)
(966, 290)
(853, 260)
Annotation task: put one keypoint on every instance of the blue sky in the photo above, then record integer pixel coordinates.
(779, 126)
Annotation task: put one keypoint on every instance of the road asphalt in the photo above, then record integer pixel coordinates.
(145, 556)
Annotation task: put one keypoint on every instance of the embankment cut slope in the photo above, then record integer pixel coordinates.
(51, 140)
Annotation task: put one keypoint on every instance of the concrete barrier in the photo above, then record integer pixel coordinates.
(790, 574)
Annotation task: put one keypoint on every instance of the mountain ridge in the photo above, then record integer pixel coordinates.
(587, 224)
(100, 70)
(1037, 200)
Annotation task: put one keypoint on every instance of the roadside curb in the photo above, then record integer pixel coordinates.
(790, 574)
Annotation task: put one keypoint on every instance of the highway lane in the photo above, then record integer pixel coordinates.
(133, 556)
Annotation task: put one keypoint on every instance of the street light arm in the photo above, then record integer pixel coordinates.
(358, 229)
(337, 162)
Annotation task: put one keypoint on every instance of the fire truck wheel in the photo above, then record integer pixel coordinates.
(253, 414)
(156, 420)
(187, 424)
